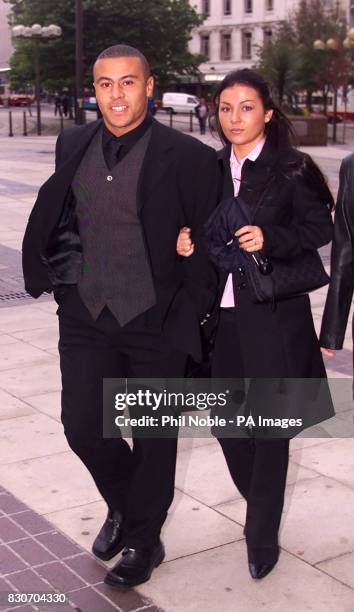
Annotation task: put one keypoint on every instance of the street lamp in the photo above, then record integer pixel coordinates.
(340, 48)
(37, 32)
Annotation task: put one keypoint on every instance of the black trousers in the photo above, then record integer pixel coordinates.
(139, 481)
(202, 124)
(258, 466)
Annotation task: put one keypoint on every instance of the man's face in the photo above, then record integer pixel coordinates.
(122, 89)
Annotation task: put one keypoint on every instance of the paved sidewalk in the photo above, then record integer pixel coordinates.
(49, 538)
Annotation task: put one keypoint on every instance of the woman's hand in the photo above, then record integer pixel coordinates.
(250, 238)
(185, 246)
(327, 352)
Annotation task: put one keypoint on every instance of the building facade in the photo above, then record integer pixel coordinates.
(234, 30)
(351, 13)
(5, 47)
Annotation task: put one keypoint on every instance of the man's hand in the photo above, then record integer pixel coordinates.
(327, 352)
(250, 238)
(185, 246)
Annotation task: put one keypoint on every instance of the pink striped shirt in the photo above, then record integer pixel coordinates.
(227, 300)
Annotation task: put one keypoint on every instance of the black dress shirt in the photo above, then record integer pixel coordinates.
(115, 148)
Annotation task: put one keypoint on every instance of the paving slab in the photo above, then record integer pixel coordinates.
(34, 379)
(312, 528)
(335, 459)
(348, 416)
(49, 306)
(6, 339)
(219, 580)
(50, 483)
(203, 475)
(42, 435)
(40, 338)
(340, 568)
(304, 442)
(81, 522)
(11, 407)
(20, 353)
(24, 318)
(206, 528)
(47, 403)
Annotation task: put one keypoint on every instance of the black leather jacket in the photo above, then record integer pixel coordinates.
(340, 291)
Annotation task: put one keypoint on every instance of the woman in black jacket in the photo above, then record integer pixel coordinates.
(290, 203)
(341, 287)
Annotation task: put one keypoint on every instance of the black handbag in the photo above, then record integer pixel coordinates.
(267, 279)
(279, 279)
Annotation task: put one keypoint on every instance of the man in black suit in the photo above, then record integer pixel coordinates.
(102, 235)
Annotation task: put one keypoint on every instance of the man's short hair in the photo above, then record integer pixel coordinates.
(125, 51)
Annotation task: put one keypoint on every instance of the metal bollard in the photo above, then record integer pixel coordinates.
(171, 117)
(10, 124)
(24, 123)
(61, 122)
(191, 121)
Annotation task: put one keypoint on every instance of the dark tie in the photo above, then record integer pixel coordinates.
(111, 152)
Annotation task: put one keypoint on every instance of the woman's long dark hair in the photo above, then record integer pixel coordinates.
(278, 130)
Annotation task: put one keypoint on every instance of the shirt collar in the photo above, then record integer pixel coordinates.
(131, 137)
(252, 155)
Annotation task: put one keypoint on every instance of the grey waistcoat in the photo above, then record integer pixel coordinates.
(116, 270)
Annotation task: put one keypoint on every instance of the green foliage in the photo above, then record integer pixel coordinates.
(278, 63)
(159, 28)
(311, 22)
(290, 62)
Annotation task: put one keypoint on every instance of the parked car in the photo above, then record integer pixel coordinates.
(331, 119)
(90, 103)
(179, 102)
(20, 100)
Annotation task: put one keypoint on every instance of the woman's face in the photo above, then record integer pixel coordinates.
(242, 116)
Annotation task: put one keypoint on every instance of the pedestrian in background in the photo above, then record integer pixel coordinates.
(65, 103)
(202, 111)
(152, 107)
(57, 105)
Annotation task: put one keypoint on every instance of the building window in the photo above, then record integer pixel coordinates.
(269, 5)
(206, 7)
(246, 45)
(248, 6)
(268, 36)
(227, 7)
(204, 44)
(225, 47)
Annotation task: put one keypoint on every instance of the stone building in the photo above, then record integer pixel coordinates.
(5, 47)
(234, 30)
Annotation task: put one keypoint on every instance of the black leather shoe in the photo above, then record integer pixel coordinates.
(259, 570)
(109, 541)
(135, 566)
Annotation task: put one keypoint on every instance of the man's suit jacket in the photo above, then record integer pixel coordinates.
(178, 186)
(341, 287)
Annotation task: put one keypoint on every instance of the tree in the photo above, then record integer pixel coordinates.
(311, 22)
(159, 28)
(290, 61)
(278, 62)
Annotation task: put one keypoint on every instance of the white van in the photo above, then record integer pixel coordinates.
(179, 102)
